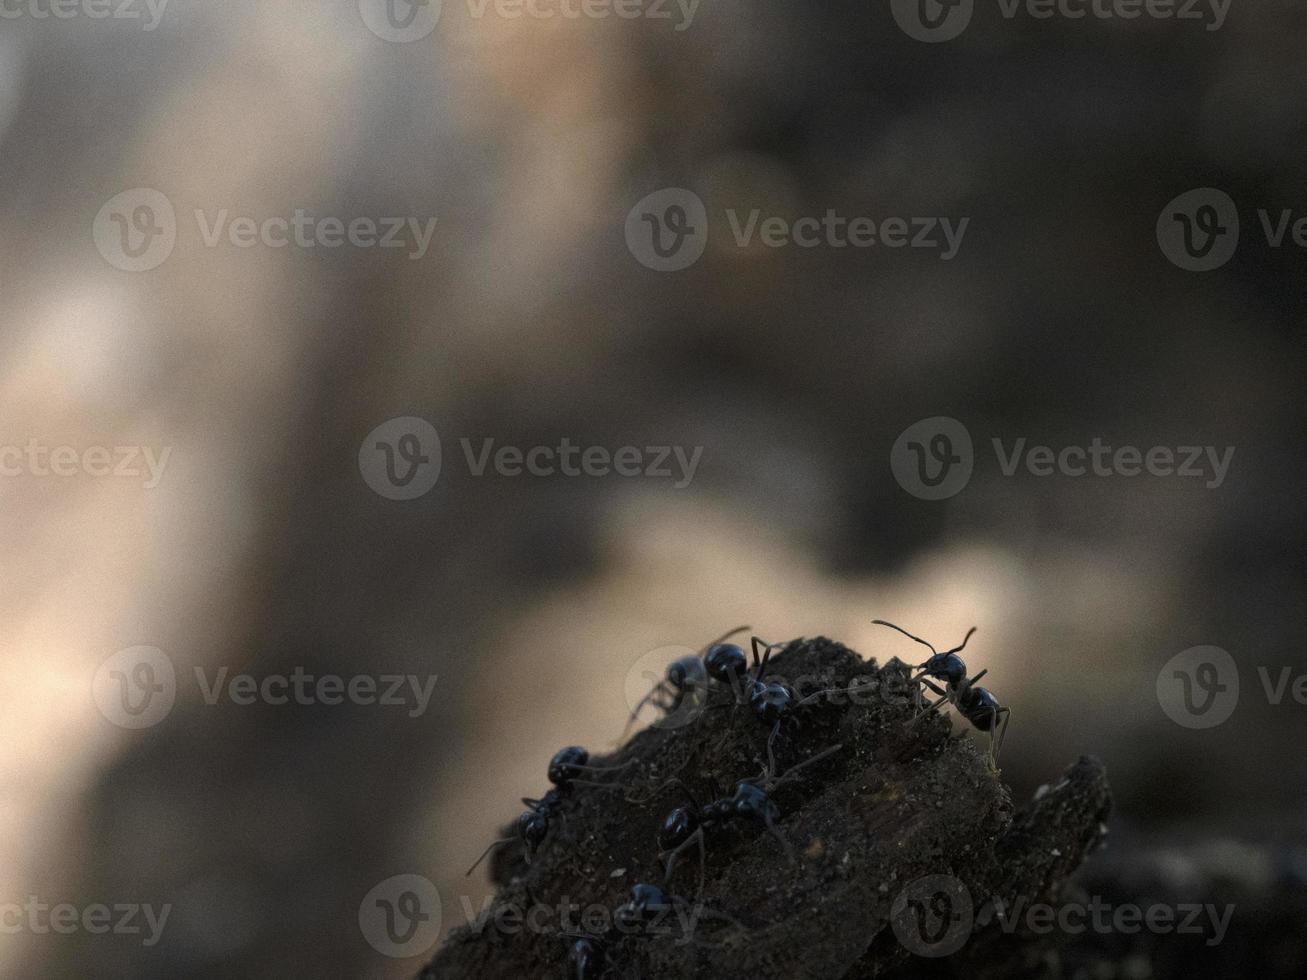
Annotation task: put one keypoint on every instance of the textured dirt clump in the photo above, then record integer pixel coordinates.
(897, 803)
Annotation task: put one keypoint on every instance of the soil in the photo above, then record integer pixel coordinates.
(897, 802)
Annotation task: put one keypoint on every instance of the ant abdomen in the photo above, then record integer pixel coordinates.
(677, 828)
(726, 663)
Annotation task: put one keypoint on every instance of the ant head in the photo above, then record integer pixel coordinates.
(532, 828)
(770, 700)
(726, 662)
(562, 766)
(677, 828)
(686, 672)
(948, 667)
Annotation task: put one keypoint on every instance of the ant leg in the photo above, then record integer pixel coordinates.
(635, 714)
(852, 689)
(794, 769)
(625, 765)
(1001, 718)
(761, 664)
(703, 865)
(675, 855)
(486, 852)
(943, 696)
(771, 756)
(591, 782)
(674, 781)
(775, 832)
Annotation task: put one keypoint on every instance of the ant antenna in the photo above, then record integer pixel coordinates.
(726, 636)
(486, 853)
(964, 641)
(881, 622)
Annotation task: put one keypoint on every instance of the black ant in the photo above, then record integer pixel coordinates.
(976, 704)
(688, 676)
(588, 957)
(770, 701)
(750, 800)
(727, 664)
(565, 770)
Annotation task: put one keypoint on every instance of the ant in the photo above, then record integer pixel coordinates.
(565, 770)
(688, 676)
(588, 957)
(727, 664)
(976, 704)
(750, 800)
(770, 701)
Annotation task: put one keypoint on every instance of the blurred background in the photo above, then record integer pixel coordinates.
(260, 374)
